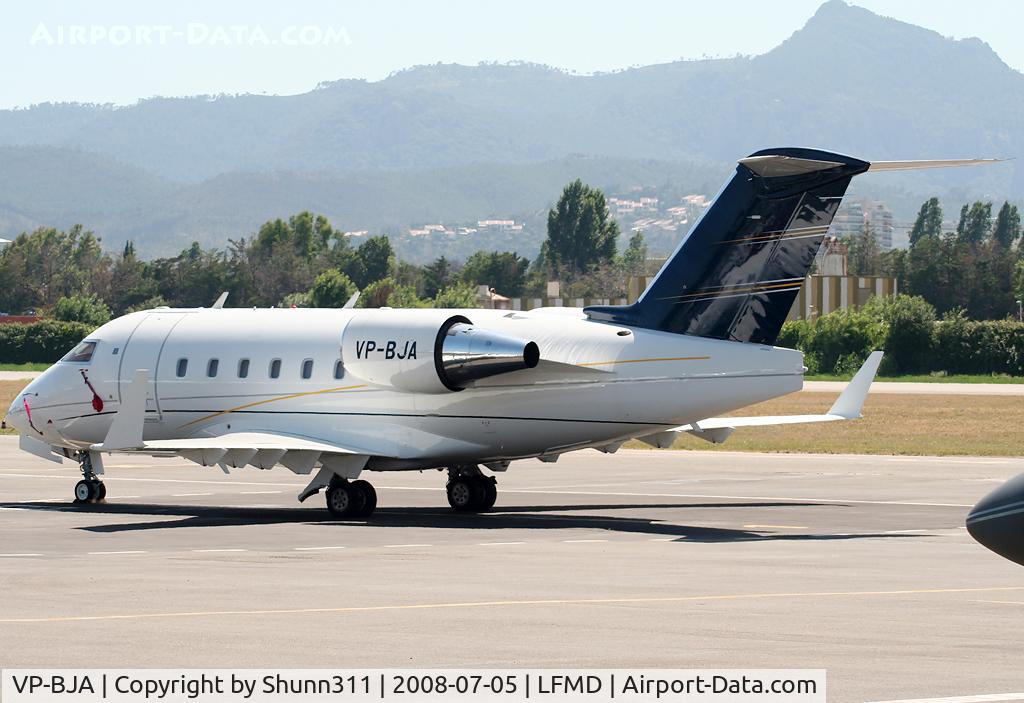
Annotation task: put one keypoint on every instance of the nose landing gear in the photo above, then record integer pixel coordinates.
(469, 491)
(90, 489)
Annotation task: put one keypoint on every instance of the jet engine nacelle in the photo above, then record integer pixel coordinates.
(424, 352)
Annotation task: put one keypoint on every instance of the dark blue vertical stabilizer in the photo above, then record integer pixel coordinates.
(737, 272)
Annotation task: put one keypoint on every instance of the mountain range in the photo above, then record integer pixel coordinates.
(455, 143)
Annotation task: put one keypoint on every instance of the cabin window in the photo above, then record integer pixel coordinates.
(275, 368)
(307, 368)
(81, 353)
(243, 368)
(182, 367)
(339, 369)
(211, 368)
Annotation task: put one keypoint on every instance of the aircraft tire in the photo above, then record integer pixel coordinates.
(464, 494)
(489, 490)
(84, 492)
(369, 494)
(101, 491)
(342, 499)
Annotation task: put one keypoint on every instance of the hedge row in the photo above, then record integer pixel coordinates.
(913, 340)
(45, 341)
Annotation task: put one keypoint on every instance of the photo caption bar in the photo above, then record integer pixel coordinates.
(412, 685)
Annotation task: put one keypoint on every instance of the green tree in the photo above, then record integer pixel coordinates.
(634, 258)
(928, 222)
(975, 225)
(863, 256)
(295, 300)
(38, 268)
(436, 277)
(374, 261)
(581, 234)
(404, 296)
(331, 289)
(462, 295)
(129, 284)
(1007, 227)
(281, 258)
(909, 332)
(376, 294)
(88, 309)
(504, 271)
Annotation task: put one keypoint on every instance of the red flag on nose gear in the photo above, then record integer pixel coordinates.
(97, 402)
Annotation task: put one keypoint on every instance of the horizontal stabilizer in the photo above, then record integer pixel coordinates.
(916, 165)
(848, 406)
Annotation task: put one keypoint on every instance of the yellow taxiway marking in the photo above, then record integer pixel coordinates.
(508, 603)
(776, 527)
(642, 361)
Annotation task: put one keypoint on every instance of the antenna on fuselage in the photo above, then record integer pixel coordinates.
(351, 302)
(220, 301)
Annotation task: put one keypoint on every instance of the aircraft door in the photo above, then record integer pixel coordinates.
(142, 351)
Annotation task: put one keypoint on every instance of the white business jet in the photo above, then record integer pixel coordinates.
(334, 393)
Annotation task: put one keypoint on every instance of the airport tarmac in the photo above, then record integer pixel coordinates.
(859, 565)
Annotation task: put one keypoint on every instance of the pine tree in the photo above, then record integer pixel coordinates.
(928, 222)
(1007, 227)
(581, 235)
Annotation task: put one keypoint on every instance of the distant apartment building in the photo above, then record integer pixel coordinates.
(483, 226)
(499, 226)
(856, 213)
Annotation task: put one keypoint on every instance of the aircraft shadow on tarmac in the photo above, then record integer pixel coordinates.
(504, 517)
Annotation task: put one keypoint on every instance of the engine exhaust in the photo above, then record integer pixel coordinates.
(466, 353)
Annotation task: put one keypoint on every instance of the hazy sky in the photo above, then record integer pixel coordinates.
(122, 50)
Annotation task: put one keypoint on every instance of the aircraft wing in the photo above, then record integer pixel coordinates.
(716, 430)
(246, 440)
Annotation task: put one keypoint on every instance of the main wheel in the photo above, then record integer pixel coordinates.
(342, 499)
(465, 494)
(369, 498)
(489, 488)
(84, 491)
(101, 491)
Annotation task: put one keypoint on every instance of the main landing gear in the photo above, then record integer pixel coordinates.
(348, 499)
(469, 491)
(90, 489)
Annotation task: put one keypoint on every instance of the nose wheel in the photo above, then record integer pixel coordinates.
(90, 489)
(469, 491)
(93, 491)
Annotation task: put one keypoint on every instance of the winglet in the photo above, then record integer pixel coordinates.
(126, 430)
(219, 303)
(851, 401)
(351, 302)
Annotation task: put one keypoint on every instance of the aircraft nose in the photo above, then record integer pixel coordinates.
(16, 415)
(997, 521)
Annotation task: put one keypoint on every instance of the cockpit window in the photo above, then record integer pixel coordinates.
(82, 353)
